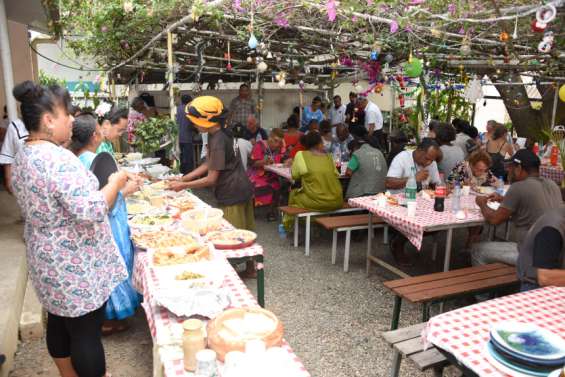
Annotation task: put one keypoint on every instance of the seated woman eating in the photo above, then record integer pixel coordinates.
(266, 184)
(474, 172)
(320, 188)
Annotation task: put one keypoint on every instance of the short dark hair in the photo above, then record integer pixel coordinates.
(84, 127)
(185, 99)
(473, 132)
(337, 96)
(352, 94)
(317, 99)
(238, 131)
(116, 114)
(292, 121)
(311, 139)
(148, 99)
(445, 133)
(36, 100)
(460, 125)
(244, 85)
(427, 143)
(325, 126)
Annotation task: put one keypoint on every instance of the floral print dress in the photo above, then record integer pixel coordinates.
(73, 261)
(264, 182)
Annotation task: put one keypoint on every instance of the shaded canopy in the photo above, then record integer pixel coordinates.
(315, 41)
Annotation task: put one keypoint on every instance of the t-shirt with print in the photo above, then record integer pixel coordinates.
(401, 167)
(233, 186)
(527, 200)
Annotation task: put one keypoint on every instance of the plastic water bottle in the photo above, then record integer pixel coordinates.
(500, 186)
(411, 187)
(282, 231)
(456, 199)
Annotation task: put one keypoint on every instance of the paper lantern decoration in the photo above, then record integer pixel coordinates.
(465, 47)
(249, 59)
(252, 44)
(262, 67)
(389, 58)
(282, 83)
(374, 55)
(413, 68)
(229, 67)
(269, 55)
(504, 36)
(562, 93)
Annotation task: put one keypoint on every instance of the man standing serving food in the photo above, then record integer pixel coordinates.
(223, 167)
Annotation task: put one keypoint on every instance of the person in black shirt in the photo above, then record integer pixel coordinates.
(353, 115)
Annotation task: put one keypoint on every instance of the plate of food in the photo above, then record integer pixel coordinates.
(137, 207)
(484, 190)
(163, 239)
(182, 203)
(188, 302)
(204, 274)
(202, 220)
(152, 222)
(170, 256)
(232, 239)
(529, 342)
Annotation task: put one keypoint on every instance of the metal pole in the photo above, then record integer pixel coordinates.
(6, 60)
(171, 78)
(554, 105)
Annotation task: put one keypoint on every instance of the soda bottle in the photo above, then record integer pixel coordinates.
(536, 149)
(456, 198)
(411, 187)
(554, 155)
(439, 195)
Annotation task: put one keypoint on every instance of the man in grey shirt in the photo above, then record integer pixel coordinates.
(528, 197)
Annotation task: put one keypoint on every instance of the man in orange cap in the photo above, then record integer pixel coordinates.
(223, 167)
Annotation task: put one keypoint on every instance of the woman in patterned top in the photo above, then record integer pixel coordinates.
(73, 262)
(114, 124)
(474, 172)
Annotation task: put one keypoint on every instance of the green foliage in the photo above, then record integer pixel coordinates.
(447, 104)
(47, 80)
(154, 132)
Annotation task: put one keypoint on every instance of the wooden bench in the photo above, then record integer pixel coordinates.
(346, 224)
(408, 342)
(438, 287)
(308, 214)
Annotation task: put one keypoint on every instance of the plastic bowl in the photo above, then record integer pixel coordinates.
(202, 220)
(157, 170)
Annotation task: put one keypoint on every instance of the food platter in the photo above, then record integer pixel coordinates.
(232, 239)
(152, 222)
(170, 256)
(204, 274)
(163, 239)
(138, 207)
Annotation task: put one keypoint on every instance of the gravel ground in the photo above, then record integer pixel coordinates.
(333, 320)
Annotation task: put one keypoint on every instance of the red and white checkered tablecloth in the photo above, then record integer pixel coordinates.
(464, 332)
(426, 218)
(555, 173)
(280, 170)
(166, 328)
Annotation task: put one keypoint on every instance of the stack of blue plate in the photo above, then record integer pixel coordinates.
(526, 349)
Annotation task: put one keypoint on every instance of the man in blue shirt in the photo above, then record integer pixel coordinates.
(186, 132)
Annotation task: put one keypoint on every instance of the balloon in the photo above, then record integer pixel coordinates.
(389, 58)
(413, 68)
(562, 93)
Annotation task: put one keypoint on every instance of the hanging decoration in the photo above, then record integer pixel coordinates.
(413, 67)
(252, 44)
(474, 91)
(228, 57)
(538, 27)
(503, 36)
(515, 34)
(547, 43)
(375, 51)
(545, 14)
(262, 67)
(466, 46)
(128, 6)
(331, 8)
(389, 58)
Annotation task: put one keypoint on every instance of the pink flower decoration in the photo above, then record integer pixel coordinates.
(354, 18)
(280, 20)
(393, 27)
(332, 10)
(417, 2)
(369, 3)
(237, 6)
(452, 8)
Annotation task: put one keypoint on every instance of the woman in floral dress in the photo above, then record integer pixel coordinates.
(73, 262)
(266, 184)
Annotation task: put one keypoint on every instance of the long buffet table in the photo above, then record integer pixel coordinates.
(166, 327)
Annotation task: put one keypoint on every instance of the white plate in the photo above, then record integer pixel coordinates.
(185, 303)
(212, 271)
(145, 161)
